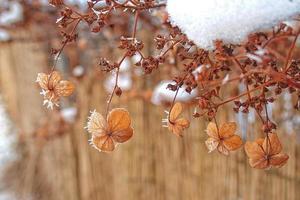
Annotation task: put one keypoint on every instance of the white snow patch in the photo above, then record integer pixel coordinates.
(7, 151)
(13, 15)
(7, 138)
(124, 82)
(162, 94)
(125, 65)
(78, 71)
(4, 35)
(69, 114)
(205, 21)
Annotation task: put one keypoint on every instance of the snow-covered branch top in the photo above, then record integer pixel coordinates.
(229, 20)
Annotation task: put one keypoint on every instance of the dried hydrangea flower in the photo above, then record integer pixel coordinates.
(107, 133)
(53, 87)
(175, 124)
(266, 153)
(224, 139)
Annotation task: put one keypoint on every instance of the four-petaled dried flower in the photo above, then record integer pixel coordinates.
(106, 134)
(266, 153)
(224, 139)
(53, 87)
(176, 125)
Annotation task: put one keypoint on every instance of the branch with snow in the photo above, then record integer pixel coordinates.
(205, 21)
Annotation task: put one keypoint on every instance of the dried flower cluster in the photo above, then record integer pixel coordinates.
(250, 76)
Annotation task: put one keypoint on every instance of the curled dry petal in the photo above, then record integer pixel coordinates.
(254, 150)
(64, 88)
(256, 154)
(228, 129)
(175, 125)
(178, 126)
(96, 124)
(42, 80)
(211, 144)
(223, 150)
(118, 119)
(212, 130)
(259, 164)
(175, 112)
(123, 135)
(232, 143)
(103, 143)
(53, 79)
(279, 160)
(273, 145)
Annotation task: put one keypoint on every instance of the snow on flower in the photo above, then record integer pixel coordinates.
(205, 21)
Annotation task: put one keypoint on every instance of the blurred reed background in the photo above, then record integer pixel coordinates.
(55, 161)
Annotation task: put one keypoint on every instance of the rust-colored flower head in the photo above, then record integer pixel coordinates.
(224, 139)
(56, 2)
(106, 134)
(53, 88)
(265, 153)
(175, 124)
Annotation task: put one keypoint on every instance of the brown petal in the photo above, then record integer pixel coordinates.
(184, 123)
(175, 111)
(178, 126)
(212, 130)
(177, 130)
(232, 143)
(260, 141)
(279, 160)
(64, 88)
(118, 119)
(54, 79)
(211, 144)
(96, 124)
(123, 135)
(42, 80)
(103, 143)
(254, 150)
(273, 146)
(259, 163)
(223, 150)
(227, 129)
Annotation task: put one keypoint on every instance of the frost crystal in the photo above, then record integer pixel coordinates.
(205, 21)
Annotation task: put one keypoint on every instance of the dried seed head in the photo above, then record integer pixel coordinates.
(56, 2)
